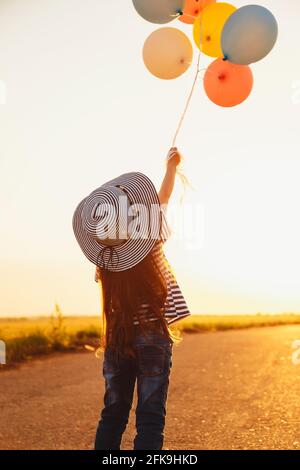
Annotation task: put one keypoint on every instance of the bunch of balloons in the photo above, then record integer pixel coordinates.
(235, 37)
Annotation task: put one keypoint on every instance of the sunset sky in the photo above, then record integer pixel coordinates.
(81, 108)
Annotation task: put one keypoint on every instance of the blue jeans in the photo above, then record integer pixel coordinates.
(150, 369)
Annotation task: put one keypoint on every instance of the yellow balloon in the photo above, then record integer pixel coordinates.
(209, 25)
(167, 53)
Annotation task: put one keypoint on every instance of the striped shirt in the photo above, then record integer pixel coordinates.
(175, 305)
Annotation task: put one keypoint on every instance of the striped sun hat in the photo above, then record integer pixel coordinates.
(118, 224)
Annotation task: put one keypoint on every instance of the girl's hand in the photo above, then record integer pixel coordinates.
(174, 158)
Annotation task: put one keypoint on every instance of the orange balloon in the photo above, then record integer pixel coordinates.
(193, 8)
(167, 53)
(228, 84)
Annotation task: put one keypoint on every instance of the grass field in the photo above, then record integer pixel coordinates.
(29, 337)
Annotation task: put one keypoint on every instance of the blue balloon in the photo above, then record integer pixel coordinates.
(159, 11)
(249, 35)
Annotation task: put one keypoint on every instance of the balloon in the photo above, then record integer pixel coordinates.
(167, 53)
(228, 84)
(249, 35)
(208, 28)
(159, 11)
(193, 8)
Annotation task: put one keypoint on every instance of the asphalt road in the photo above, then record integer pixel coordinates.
(229, 390)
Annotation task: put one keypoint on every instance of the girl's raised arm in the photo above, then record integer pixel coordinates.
(167, 186)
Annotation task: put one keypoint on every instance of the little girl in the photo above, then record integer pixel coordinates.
(121, 228)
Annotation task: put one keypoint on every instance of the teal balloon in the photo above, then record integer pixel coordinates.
(159, 11)
(249, 35)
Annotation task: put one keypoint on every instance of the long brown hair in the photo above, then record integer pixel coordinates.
(123, 294)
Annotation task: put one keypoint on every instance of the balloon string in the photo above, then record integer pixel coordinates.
(180, 172)
(198, 70)
(187, 102)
